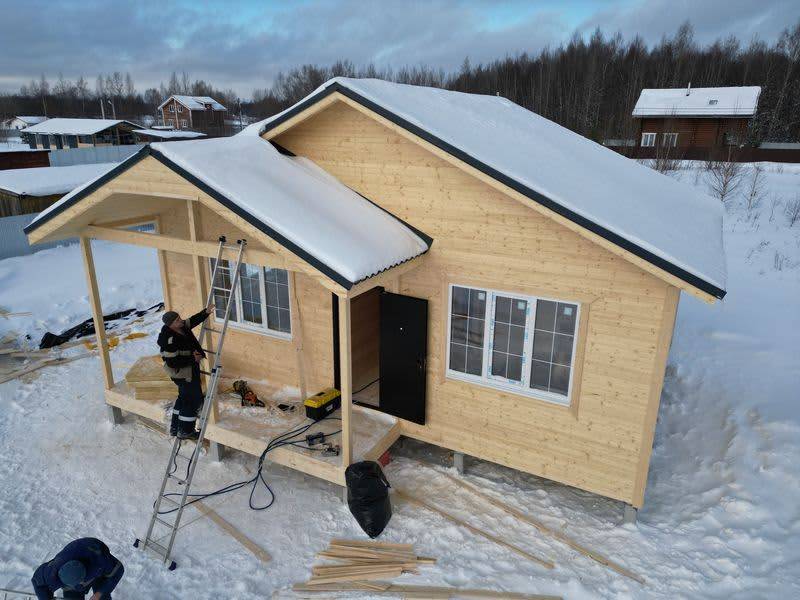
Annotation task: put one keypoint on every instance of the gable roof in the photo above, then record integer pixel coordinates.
(290, 199)
(698, 102)
(669, 224)
(31, 120)
(61, 126)
(194, 102)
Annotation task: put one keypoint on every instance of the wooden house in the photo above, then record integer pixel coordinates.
(512, 298)
(198, 113)
(693, 122)
(61, 133)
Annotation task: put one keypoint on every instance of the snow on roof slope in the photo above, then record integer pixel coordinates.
(195, 102)
(669, 219)
(32, 120)
(301, 202)
(47, 181)
(699, 102)
(61, 126)
(170, 133)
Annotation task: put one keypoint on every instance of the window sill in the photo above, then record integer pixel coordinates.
(285, 337)
(538, 395)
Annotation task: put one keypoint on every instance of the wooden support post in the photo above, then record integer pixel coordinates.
(99, 324)
(629, 514)
(297, 336)
(345, 359)
(162, 269)
(458, 462)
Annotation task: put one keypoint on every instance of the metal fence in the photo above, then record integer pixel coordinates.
(14, 242)
(92, 156)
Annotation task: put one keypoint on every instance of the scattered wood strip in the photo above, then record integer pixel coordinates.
(379, 574)
(545, 563)
(372, 544)
(544, 529)
(423, 591)
(43, 363)
(258, 552)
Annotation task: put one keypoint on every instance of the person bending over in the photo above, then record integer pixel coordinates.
(81, 565)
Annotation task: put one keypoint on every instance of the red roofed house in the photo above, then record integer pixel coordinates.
(199, 113)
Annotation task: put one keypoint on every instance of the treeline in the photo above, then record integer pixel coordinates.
(588, 85)
(110, 94)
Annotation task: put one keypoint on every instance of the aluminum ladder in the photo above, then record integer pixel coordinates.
(162, 520)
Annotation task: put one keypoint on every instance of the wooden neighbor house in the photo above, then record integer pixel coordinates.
(466, 272)
(695, 123)
(60, 133)
(198, 113)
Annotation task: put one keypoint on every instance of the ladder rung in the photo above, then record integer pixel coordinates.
(155, 547)
(178, 479)
(207, 351)
(165, 523)
(236, 248)
(206, 372)
(170, 500)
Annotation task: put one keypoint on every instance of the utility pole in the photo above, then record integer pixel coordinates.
(102, 109)
(114, 110)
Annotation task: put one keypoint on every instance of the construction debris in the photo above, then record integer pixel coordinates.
(405, 496)
(427, 592)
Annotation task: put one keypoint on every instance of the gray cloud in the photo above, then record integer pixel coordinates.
(150, 39)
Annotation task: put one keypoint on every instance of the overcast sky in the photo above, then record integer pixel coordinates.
(243, 45)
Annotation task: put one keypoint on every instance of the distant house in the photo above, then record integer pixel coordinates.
(145, 136)
(23, 122)
(695, 122)
(79, 133)
(199, 113)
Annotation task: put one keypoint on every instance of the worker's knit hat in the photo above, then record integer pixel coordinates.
(72, 573)
(169, 317)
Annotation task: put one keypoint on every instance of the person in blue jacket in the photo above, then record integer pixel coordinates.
(81, 565)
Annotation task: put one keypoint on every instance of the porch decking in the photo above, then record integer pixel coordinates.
(251, 429)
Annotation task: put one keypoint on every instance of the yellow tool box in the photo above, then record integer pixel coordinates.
(322, 404)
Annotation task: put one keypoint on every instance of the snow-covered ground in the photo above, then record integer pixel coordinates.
(721, 518)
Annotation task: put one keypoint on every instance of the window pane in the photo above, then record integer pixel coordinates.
(476, 327)
(500, 337)
(272, 293)
(458, 358)
(559, 379)
(514, 368)
(458, 330)
(519, 309)
(270, 274)
(502, 310)
(286, 321)
(477, 303)
(283, 296)
(499, 364)
(460, 304)
(475, 361)
(562, 349)
(545, 315)
(273, 317)
(540, 375)
(516, 340)
(565, 319)
(276, 286)
(543, 346)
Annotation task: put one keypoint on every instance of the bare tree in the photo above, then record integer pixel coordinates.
(792, 211)
(82, 92)
(724, 177)
(755, 187)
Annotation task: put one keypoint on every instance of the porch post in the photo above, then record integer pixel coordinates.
(345, 360)
(99, 325)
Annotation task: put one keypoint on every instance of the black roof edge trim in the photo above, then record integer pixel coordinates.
(120, 168)
(235, 208)
(616, 239)
(402, 262)
(281, 149)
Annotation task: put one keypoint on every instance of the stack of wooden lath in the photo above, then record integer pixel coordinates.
(149, 381)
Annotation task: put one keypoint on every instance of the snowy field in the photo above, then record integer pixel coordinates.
(721, 517)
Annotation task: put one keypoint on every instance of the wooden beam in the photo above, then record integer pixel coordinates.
(494, 183)
(346, 362)
(97, 311)
(245, 541)
(143, 220)
(198, 247)
(297, 336)
(162, 269)
(306, 114)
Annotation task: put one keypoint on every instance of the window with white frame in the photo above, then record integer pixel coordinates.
(648, 140)
(180, 108)
(262, 301)
(514, 342)
(184, 123)
(170, 122)
(171, 108)
(669, 140)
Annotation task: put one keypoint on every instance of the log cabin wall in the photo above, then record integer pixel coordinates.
(695, 133)
(602, 441)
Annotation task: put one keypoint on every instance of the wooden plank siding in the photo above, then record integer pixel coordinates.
(694, 132)
(484, 237)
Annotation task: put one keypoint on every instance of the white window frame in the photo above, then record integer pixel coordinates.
(263, 328)
(486, 379)
(184, 123)
(170, 122)
(180, 108)
(172, 108)
(669, 140)
(648, 140)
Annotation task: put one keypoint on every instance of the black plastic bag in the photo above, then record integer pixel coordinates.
(368, 496)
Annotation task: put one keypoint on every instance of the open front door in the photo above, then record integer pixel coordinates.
(403, 356)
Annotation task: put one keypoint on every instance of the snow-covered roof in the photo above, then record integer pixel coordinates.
(48, 181)
(194, 102)
(170, 134)
(61, 126)
(698, 102)
(292, 200)
(667, 223)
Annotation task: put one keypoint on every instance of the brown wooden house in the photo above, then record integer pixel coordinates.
(197, 113)
(527, 323)
(693, 123)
